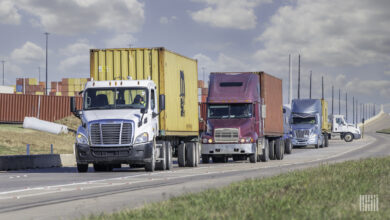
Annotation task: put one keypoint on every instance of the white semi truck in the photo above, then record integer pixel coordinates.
(348, 132)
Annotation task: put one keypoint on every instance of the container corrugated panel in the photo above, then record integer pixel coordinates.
(202, 116)
(271, 92)
(325, 123)
(164, 68)
(14, 107)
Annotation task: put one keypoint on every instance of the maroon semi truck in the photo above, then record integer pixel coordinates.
(244, 118)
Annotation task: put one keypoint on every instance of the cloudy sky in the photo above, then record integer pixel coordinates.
(347, 42)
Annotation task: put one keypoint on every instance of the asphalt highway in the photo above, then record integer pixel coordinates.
(62, 193)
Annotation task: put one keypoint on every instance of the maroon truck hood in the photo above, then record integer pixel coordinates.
(245, 125)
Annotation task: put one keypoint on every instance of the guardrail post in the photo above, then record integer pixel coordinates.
(51, 149)
(28, 149)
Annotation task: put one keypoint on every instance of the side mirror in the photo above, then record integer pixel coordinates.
(162, 102)
(284, 111)
(143, 110)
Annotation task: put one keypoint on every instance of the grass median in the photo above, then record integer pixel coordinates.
(384, 131)
(325, 192)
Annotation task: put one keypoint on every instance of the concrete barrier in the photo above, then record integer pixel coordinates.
(20, 162)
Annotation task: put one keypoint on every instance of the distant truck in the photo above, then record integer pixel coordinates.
(309, 122)
(348, 132)
(244, 118)
(140, 106)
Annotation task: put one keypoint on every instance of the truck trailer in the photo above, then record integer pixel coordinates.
(309, 122)
(139, 108)
(244, 118)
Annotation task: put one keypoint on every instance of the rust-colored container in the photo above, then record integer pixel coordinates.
(205, 91)
(271, 93)
(14, 107)
(202, 116)
(200, 84)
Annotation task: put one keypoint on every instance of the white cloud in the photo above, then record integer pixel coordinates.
(9, 13)
(166, 20)
(328, 33)
(228, 13)
(28, 53)
(76, 57)
(221, 64)
(120, 41)
(387, 72)
(83, 16)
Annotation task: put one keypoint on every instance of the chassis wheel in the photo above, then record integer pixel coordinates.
(181, 155)
(161, 164)
(271, 150)
(326, 140)
(191, 154)
(168, 155)
(82, 168)
(265, 156)
(279, 149)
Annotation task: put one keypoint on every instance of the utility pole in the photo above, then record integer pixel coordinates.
(353, 109)
(322, 80)
(47, 42)
(39, 74)
(204, 76)
(299, 76)
(3, 61)
(332, 97)
(357, 111)
(289, 80)
(310, 85)
(346, 107)
(339, 102)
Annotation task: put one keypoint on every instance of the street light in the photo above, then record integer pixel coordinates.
(47, 40)
(3, 61)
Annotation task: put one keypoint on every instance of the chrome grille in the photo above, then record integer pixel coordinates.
(301, 133)
(223, 135)
(111, 133)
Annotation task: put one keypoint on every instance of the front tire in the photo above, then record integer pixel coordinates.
(161, 164)
(288, 146)
(326, 140)
(82, 168)
(150, 166)
(348, 137)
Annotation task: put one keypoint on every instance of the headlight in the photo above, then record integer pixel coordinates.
(142, 138)
(81, 139)
(210, 141)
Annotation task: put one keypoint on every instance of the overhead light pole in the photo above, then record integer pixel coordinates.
(3, 61)
(47, 41)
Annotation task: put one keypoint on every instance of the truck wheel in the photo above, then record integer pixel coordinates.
(205, 158)
(348, 137)
(191, 154)
(161, 164)
(265, 156)
(253, 157)
(150, 166)
(197, 154)
(326, 140)
(318, 144)
(168, 155)
(82, 168)
(181, 155)
(288, 146)
(272, 150)
(279, 146)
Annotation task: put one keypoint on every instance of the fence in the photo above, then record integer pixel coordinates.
(14, 107)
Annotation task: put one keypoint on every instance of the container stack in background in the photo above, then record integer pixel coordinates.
(29, 86)
(202, 98)
(68, 86)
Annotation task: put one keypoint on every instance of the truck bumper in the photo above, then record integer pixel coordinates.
(357, 136)
(228, 149)
(303, 142)
(136, 154)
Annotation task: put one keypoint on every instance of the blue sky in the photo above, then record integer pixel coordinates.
(347, 42)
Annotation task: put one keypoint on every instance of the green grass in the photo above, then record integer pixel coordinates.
(325, 192)
(384, 131)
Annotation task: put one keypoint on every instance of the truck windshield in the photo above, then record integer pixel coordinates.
(115, 98)
(230, 111)
(305, 120)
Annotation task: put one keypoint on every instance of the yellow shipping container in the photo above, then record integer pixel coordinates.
(32, 81)
(170, 71)
(58, 93)
(70, 88)
(39, 93)
(325, 124)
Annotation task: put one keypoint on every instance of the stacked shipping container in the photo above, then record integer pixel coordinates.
(68, 86)
(29, 86)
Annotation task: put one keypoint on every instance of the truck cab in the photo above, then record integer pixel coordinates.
(348, 132)
(119, 125)
(308, 124)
